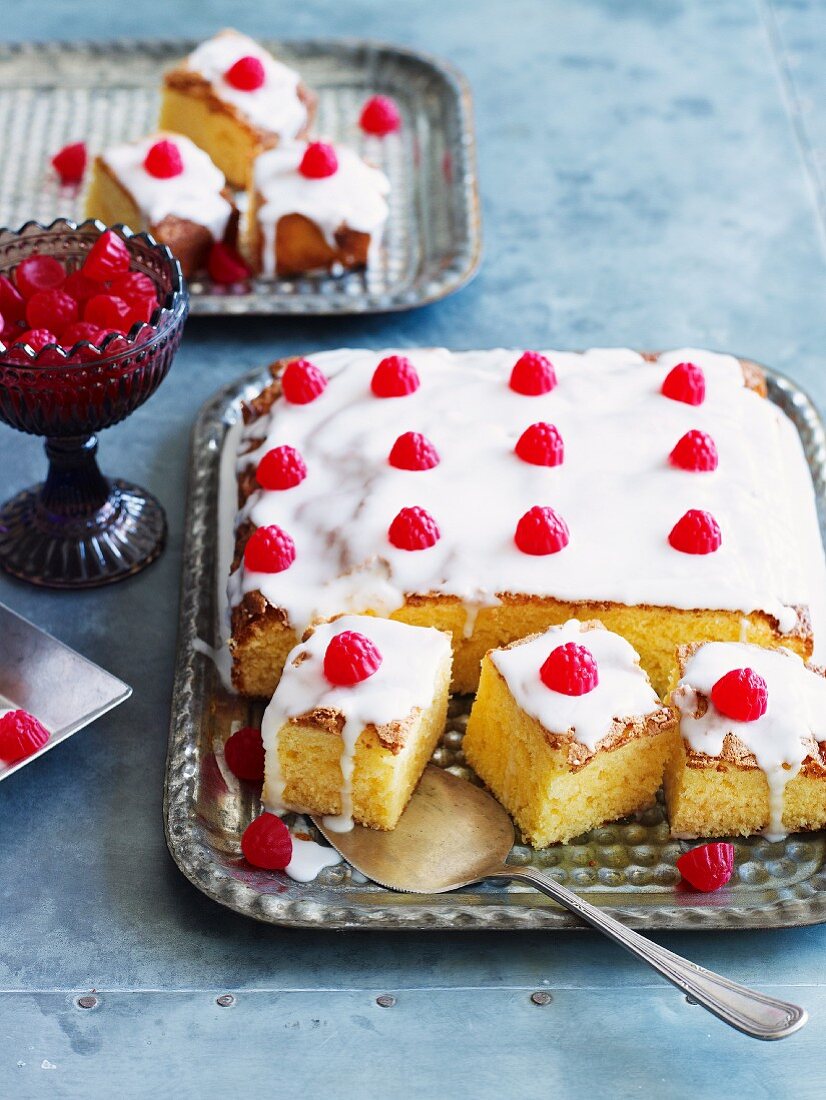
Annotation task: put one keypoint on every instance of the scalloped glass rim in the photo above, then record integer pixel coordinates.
(164, 318)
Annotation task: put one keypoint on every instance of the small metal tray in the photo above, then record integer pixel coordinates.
(102, 92)
(626, 867)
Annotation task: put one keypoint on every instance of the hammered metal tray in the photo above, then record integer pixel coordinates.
(54, 93)
(626, 867)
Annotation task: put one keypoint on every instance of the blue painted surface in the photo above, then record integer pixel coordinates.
(649, 174)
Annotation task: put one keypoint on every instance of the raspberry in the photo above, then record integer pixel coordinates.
(107, 311)
(319, 161)
(741, 694)
(81, 287)
(269, 550)
(82, 330)
(541, 531)
(51, 309)
(38, 273)
(533, 375)
(541, 445)
(281, 468)
(134, 287)
(36, 338)
(695, 451)
(12, 305)
(225, 266)
(696, 533)
(350, 658)
(685, 383)
(108, 257)
(244, 754)
(246, 74)
(414, 529)
(413, 451)
(267, 843)
(164, 160)
(708, 867)
(570, 669)
(380, 116)
(395, 376)
(70, 162)
(302, 383)
(21, 735)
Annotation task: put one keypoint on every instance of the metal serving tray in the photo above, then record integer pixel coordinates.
(54, 93)
(627, 867)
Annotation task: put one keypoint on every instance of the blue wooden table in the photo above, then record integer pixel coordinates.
(653, 173)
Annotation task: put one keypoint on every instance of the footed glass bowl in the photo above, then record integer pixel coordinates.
(79, 529)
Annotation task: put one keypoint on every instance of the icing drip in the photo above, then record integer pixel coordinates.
(309, 858)
(780, 741)
(623, 691)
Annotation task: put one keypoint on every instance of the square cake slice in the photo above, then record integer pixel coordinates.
(751, 755)
(354, 720)
(567, 731)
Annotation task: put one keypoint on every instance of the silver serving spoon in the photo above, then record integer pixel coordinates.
(453, 834)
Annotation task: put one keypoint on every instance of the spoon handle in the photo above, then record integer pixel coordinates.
(748, 1010)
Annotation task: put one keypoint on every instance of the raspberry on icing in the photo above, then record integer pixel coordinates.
(350, 658)
(302, 382)
(108, 257)
(38, 273)
(319, 161)
(741, 694)
(533, 375)
(51, 309)
(70, 162)
(541, 531)
(708, 867)
(414, 529)
(380, 116)
(269, 550)
(225, 266)
(244, 754)
(695, 451)
(246, 74)
(281, 468)
(267, 843)
(395, 376)
(413, 451)
(570, 669)
(696, 532)
(163, 160)
(21, 735)
(685, 383)
(541, 445)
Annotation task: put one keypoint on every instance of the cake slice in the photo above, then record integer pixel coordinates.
(354, 720)
(234, 99)
(750, 757)
(567, 731)
(314, 207)
(166, 185)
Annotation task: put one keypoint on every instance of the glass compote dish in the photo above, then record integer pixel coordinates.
(78, 528)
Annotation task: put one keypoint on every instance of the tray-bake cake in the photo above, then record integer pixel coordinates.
(493, 494)
(567, 731)
(751, 757)
(354, 720)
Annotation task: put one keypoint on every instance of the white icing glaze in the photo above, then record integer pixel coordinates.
(309, 858)
(780, 740)
(195, 194)
(404, 681)
(623, 690)
(616, 489)
(355, 196)
(275, 106)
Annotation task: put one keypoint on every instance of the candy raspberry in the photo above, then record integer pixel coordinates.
(36, 338)
(696, 532)
(107, 311)
(395, 376)
(225, 266)
(244, 754)
(81, 287)
(302, 382)
(108, 257)
(350, 658)
(12, 305)
(685, 383)
(695, 451)
(21, 735)
(269, 550)
(413, 451)
(319, 161)
(414, 529)
(267, 843)
(70, 162)
(246, 74)
(541, 531)
(51, 309)
(163, 160)
(533, 375)
(38, 273)
(281, 468)
(708, 867)
(380, 116)
(541, 445)
(82, 330)
(741, 694)
(134, 287)
(570, 669)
